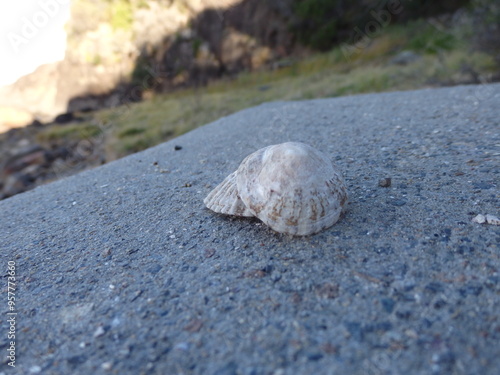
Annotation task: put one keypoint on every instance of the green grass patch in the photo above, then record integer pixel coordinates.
(69, 132)
(127, 132)
(430, 39)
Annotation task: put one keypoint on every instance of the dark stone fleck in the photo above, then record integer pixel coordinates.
(177, 147)
(427, 323)
(385, 182)
(76, 360)
(354, 328)
(314, 356)
(445, 235)
(136, 295)
(209, 253)
(388, 304)
(327, 290)
(194, 325)
(462, 249)
(296, 298)
(434, 287)
(403, 314)
(474, 290)
(439, 304)
(268, 269)
(492, 281)
(330, 349)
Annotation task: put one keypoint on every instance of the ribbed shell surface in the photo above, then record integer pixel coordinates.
(291, 187)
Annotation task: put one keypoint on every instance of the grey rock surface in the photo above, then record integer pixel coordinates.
(121, 270)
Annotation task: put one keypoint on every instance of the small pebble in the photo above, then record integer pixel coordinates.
(327, 290)
(183, 346)
(99, 331)
(106, 366)
(493, 220)
(488, 219)
(35, 369)
(177, 147)
(480, 219)
(385, 182)
(194, 325)
(209, 253)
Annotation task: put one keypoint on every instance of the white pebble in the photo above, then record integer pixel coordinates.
(493, 220)
(489, 219)
(480, 219)
(106, 366)
(35, 369)
(99, 331)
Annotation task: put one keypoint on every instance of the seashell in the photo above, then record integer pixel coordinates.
(291, 187)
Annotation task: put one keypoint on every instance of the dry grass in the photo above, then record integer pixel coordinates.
(444, 59)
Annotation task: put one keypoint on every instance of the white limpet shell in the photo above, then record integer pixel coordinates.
(291, 187)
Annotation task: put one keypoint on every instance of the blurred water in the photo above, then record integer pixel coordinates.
(31, 34)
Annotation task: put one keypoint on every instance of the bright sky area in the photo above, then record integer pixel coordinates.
(31, 34)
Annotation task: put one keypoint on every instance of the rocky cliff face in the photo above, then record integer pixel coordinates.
(119, 49)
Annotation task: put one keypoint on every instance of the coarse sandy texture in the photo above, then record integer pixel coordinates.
(122, 270)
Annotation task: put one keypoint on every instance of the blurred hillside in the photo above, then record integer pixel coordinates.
(140, 72)
(118, 49)
(105, 38)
